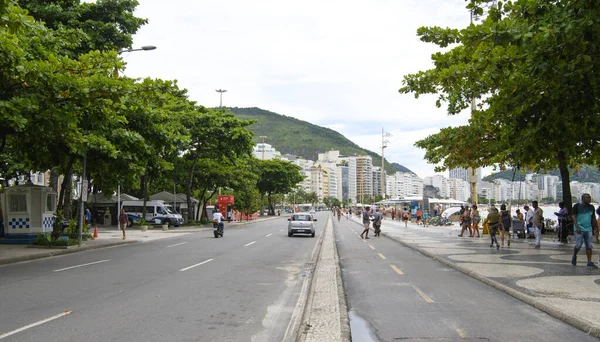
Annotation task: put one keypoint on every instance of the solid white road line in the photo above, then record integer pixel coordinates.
(177, 244)
(202, 263)
(90, 263)
(281, 229)
(35, 324)
(268, 235)
(251, 243)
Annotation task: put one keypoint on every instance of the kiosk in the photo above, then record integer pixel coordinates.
(28, 209)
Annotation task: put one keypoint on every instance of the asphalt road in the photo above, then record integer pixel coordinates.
(243, 287)
(395, 293)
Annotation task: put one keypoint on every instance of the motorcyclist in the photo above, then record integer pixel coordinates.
(218, 218)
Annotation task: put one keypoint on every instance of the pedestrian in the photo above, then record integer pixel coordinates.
(585, 223)
(88, 219)
(475, 218)
(528, 221)
(506, 223)
(561, 217)
(405, 215)
(538, 221)
(419, 216)
(425, 218)
(123, 222)
(436, 210)
(493, 222)
(519, 215)
(466, 222)
(393, 214)
(366, 218)
(377, 219)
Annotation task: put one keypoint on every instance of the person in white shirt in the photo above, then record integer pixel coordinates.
(218, 217)
(528, 220)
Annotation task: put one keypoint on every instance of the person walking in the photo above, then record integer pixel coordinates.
(393, 214)
(405, 215)
(528, 221)
(466, 222)
(538, 220)
(419, 216)
(123, 221)
(585, 223)
(475, 218)
(561, 217)
(88, 219)
(493, 222)
(425, 218)
(366, 220)
(377, 219)
(506, 223)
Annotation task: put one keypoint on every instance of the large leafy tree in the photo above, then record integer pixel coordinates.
(531, 70)
(217, 141)
(277, 177)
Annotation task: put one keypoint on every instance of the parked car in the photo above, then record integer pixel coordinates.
(301, 223)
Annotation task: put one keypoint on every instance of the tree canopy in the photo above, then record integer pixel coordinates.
(530, 72)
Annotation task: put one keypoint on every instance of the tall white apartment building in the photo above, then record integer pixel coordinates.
(377, 190)
(390, 186)
(459, 189)
(265, 151)
(350, 161)
(364, 177)
(406, 184)
(440, 182)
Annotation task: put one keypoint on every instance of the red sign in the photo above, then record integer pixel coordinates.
(226, 200)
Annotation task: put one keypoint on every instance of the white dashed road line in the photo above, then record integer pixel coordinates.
(251, 243)
(268, 235)
(177, 244)
(89, 263)
(202, 263)
(35, 324)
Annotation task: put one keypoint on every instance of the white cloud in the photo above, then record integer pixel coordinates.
(337, 64)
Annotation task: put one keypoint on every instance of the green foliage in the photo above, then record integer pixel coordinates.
(45, 239)
(585, 173)
(528, 69)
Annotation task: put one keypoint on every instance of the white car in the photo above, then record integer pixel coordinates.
(301, 223)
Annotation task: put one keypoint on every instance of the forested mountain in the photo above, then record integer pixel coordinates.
(303, 139)
(585, 173)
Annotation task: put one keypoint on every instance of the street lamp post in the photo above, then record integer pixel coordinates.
(143, 48)
(384, 142)
(221, 91)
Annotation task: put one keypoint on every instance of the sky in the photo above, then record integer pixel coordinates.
(335, 64)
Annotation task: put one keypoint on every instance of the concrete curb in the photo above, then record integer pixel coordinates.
(551, 310)
(343, 300)
(55, 252)
(322, 322)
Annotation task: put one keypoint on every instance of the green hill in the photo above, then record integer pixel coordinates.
(585, 173)
(303, 139)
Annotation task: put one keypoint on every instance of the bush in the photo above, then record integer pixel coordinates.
(45, 239)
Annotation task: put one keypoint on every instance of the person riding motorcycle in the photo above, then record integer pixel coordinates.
(218, 218)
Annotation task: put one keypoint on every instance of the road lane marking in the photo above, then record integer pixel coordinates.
(281, 229)
(268, 235)
(381, 256)
(89, 263)
(250, 243)
(202, 263)
(371, 247)
(419, 291)
(397, 270)
(461, 332)
(36, 324)
(177, 244)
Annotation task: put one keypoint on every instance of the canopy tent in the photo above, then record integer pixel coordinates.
(451, 211)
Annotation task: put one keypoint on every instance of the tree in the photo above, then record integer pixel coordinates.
(277, 177)
(529, 67)
(312, 198)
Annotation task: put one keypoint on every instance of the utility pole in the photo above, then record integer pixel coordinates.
(221, 91)
(384, 142)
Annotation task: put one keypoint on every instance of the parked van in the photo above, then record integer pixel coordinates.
(157, 212)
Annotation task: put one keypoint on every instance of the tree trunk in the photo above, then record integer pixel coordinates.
(53, 182)
(566, 183)
(188, 188)
(67, 179)
(67, 188)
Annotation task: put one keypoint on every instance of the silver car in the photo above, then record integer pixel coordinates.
(301, 223)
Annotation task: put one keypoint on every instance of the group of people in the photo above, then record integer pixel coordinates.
(376, 218)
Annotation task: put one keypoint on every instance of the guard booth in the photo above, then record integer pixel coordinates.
(28, 209)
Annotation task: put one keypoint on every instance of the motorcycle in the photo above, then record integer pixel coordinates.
(217, 229)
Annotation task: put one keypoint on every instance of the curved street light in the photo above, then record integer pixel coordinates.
(143, 48)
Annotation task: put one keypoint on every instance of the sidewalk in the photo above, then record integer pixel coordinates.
(541, 277)
(109, 237)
